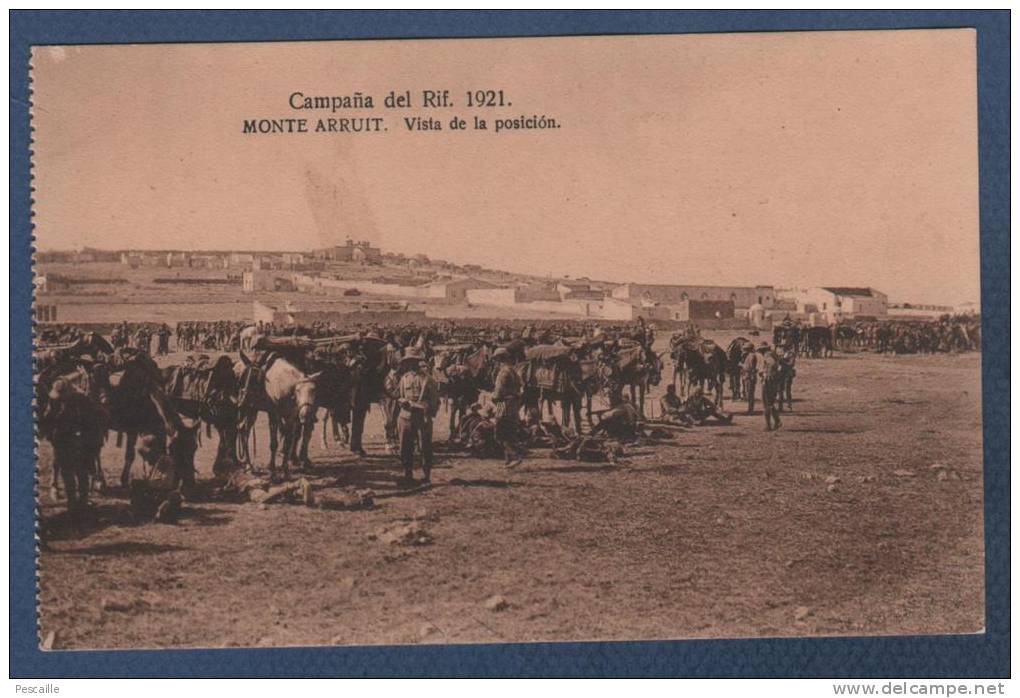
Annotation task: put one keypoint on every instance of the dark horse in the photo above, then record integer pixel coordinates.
(552, 373)
(209, 393)
(138, 404)
(703, 363)
(637, 367)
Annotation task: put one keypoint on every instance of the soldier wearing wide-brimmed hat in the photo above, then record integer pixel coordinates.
(768, 375)
(506, 395)
(418, 398)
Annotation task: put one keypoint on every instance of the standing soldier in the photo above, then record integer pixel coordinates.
(76, 426)
(142, 339)
(768, 373)
(787, 372)
(418, 397)
(164, 340)
(749, 367)
(507, 395)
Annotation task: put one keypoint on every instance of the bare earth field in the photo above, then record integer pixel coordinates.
(862, 516)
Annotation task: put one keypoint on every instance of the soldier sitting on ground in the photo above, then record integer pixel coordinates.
(672, 408)
(620, 421)
(700, 409)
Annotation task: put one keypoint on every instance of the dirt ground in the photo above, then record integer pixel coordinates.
(861, 516)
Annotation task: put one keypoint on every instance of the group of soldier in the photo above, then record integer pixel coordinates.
(417, 403)
(140, 336)
(221, 335)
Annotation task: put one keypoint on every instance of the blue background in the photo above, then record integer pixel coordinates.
(945, 656)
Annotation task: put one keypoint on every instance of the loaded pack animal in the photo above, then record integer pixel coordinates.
(816, 342)
(635, 366)
(458, 370)
(138, 403)
(551, 373)
(290, 398)
(372, 359)
(128, 384)
(208, 392)
(788, 333)
(703, 364)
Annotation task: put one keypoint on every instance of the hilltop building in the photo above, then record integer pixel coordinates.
(359, 252)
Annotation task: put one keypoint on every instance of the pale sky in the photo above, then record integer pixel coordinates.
(814, 158)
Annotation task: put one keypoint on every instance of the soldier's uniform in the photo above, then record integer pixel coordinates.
(506, 394)
(749, 370)
(391, 408)
(787, 372)
(75, 426)
(768, 374)
(418, 397)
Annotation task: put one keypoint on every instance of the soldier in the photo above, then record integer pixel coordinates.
(164, 340)
(76, 427)
(620, 421)
(768, 374)
(418, 398)
(749, 370)
(507, 396)
(787, 372)
(699, 408)
(672, 407)
(391, 406)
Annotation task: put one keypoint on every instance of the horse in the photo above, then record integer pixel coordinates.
(639, 368)
(292, 397)
(550, 374)
(208, 393)
(247, 337)
(457, 370)
(704, 362)
(138, 403)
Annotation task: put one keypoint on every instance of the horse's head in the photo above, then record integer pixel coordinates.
(306, 396)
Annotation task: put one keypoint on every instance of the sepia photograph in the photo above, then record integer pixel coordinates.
(507, 340)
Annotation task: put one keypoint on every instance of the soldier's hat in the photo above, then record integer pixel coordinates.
(501, 354)
(412, 354)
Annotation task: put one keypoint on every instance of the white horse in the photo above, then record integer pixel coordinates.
(248, 336)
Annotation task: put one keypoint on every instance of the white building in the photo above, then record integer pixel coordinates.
(263, 280)
(843, 302)
(454, 290)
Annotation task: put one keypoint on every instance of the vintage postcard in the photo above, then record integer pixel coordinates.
(507, 340)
